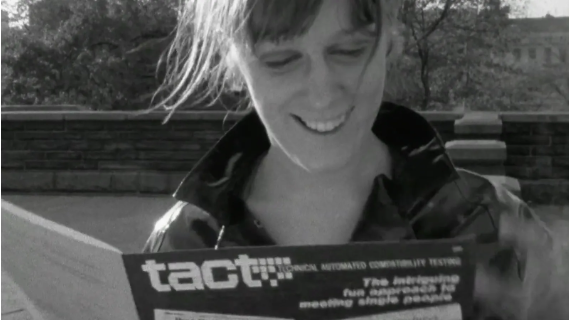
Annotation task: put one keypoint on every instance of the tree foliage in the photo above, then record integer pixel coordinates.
(455, 51)
(6, 70)
(104, 54)
(79, 52)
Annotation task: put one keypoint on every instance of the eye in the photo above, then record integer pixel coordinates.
(281, 62)
(353, 53)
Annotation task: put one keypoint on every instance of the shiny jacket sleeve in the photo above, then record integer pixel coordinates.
(183, 227)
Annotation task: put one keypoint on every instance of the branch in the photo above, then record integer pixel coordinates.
(102, 43)
(423, 18)
(442, 16)
(561, 92)
(417, 42)
(152, 35)
(433, 27)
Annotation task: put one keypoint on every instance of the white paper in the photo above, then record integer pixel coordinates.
(64, 273)
(160, 314)
(447, 312)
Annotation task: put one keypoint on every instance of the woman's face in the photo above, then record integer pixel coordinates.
(316, 103)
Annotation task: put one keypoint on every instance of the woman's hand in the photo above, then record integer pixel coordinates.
(543, 293)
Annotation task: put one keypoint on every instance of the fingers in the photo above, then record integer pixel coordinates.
(497, 295)
(545, 250)
(524, 233)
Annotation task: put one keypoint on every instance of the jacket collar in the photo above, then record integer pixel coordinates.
(421, 164)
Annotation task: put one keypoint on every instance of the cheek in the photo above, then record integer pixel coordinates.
(267, 102)
(266, 92)
(273, 103)
(371, 89)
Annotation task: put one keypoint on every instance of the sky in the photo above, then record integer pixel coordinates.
(539, 8)
(535, 8)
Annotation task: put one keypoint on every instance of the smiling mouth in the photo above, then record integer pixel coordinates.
(324, 127)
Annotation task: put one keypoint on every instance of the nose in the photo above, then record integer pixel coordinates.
(322, 85)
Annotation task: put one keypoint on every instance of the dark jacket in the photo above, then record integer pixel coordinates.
(427, 197)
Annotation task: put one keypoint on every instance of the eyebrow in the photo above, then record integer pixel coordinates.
(342, 33)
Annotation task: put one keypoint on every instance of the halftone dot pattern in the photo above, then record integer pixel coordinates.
(267, 268)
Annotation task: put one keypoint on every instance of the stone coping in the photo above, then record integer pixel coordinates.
(159, 115)
(477, 150)
(118, 115)
(441, 115)
(559, 117)
(480, 145)
(478, 117)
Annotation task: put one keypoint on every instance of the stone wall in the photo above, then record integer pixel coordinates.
(537, 146)
(537, 154)
(120, 152)
(104, 151)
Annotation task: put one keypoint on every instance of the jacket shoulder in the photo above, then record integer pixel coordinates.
(468, 205)
(501, 210)
(495, 198)
(183, 227)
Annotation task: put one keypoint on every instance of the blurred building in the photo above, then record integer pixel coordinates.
(541, 52)
(543, 42)
(5, 23)
(5, 29)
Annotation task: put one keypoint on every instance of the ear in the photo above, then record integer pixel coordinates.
(395, 84)
(395, 43)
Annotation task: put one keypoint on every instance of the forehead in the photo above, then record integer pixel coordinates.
(276, 21)
(333, 18)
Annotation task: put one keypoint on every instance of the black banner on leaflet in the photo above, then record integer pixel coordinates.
(388, 281)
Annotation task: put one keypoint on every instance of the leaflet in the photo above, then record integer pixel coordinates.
(412, 280)
(66, 274)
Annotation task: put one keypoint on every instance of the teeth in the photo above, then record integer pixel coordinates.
(327, 126)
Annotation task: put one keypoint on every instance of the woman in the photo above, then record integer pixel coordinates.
(321, 159)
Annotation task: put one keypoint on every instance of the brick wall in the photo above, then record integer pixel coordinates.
(537, 153)
(104, 152)
(123, 152)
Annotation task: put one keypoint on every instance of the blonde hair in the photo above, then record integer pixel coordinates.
(196, 66)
